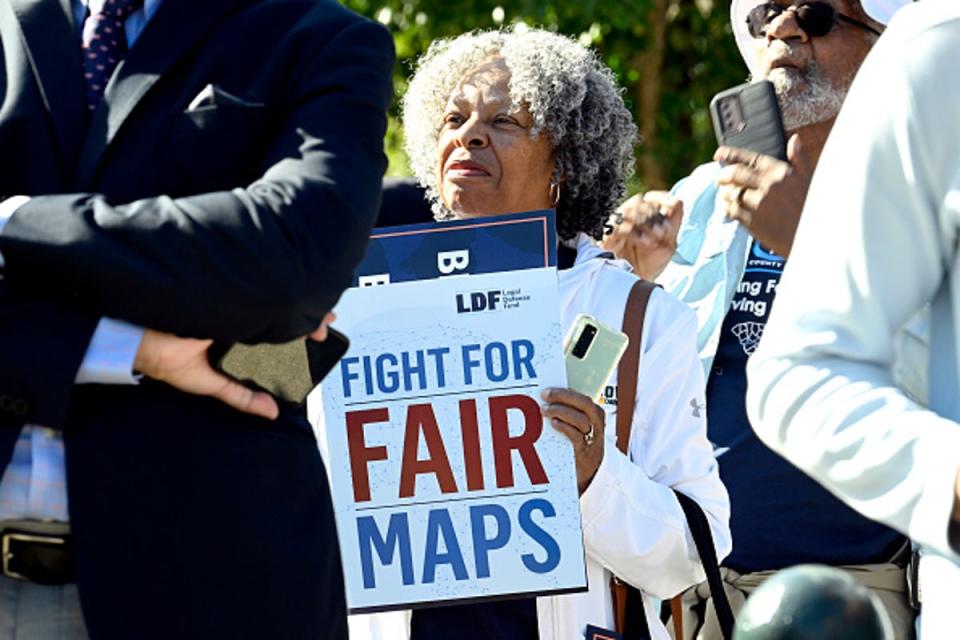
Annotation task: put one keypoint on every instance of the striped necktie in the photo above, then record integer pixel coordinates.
(104, 43)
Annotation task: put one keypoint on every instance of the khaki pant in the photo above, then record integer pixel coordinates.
(886, 581)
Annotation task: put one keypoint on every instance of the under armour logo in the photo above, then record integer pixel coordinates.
(696, 407)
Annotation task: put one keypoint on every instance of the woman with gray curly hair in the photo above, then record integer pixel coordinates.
(571, 101)
(508, 121)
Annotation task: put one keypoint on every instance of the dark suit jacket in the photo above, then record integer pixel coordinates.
(240, 220)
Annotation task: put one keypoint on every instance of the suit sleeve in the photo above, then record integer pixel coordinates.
(260, 263)
(632, 521)
(44, 342)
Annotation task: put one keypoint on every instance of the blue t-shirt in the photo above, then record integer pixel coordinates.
(779, 517)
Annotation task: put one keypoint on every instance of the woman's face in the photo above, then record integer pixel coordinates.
(486, 161)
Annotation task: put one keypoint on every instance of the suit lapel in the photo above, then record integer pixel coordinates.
(54, 52)
(173, 30)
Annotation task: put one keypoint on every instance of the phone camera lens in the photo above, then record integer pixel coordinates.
(583, 343)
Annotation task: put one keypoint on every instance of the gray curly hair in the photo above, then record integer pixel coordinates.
(569, 91)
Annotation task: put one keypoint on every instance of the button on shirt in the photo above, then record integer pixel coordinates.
(34, 482)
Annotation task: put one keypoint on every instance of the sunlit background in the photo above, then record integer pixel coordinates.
(671, 57)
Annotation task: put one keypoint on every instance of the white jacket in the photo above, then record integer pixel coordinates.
(632, 522)
(878, 240)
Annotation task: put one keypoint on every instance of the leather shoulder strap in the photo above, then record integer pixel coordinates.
(629, 615)
(633, 316)
(635, 625)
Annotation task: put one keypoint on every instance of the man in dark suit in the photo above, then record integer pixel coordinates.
(203, 170)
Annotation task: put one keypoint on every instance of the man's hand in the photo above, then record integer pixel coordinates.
(764, 194)
(182, 363)
(645, 232)
(320, 334)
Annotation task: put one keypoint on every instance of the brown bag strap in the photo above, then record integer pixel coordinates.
(633, 316)
(626, 600)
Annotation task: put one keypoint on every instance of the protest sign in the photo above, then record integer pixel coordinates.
(430, 250)
(448, 485)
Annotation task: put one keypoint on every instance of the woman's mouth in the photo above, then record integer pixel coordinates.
(466, 169)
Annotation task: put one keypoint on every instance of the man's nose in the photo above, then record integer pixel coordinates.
(473, 133)
(786, 27)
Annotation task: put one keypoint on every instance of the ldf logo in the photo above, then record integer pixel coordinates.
(478, 301)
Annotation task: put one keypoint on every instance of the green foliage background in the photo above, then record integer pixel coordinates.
(670, 56)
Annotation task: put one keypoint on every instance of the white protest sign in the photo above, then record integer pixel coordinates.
(448, 485)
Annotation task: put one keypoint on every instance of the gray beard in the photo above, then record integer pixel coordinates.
(806, 97)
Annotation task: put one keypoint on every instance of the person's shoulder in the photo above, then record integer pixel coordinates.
(921, 18)
(909, 71)
(669, 323)
(667, 310)
(332, 8)
(926, 37)
(920, 45)
(666, 316)
(328, 16)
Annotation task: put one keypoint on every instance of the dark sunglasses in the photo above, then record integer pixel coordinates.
(815, 18)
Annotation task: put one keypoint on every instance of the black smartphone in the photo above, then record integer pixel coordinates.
(289, 371)
(748, 117)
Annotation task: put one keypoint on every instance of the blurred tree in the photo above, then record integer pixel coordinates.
(670, 56)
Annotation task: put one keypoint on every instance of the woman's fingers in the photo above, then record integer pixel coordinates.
(321, 332)
(574, 415)
(575, 399)
(576, 419)
(573, 434)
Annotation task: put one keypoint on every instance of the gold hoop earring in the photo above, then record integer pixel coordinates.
(555, 193)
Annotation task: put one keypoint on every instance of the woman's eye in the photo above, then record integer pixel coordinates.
(454, 119)
(504, 120)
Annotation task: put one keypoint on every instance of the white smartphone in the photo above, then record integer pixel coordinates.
(591, 351)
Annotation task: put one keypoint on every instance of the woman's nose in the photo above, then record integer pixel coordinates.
(472, 134)
(785, 27)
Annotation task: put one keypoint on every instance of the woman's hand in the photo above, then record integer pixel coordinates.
(580, 419)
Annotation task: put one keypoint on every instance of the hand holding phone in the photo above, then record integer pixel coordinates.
(748, 117)
(591, 352)
(289, 371)
(764, 180)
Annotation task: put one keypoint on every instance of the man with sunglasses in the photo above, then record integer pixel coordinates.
(725, 261)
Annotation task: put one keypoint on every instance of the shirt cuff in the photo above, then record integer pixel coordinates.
(603, 486)
(7, 208)
(110, 354)
(618, 477)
